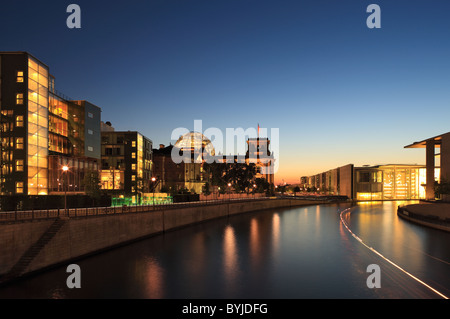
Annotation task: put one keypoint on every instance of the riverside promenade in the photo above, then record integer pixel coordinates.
(430, 214)
(36, 241)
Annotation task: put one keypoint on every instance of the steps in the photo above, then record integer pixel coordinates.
(26, 259)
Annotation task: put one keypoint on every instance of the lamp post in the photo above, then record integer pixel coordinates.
(65, 169)
(229, 191)
(254, 191)
(154, 186)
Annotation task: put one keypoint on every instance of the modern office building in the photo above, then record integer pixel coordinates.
(127, 162)
(366, 183)
(41, 131)
(440, 172)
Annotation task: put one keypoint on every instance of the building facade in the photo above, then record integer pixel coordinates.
(367, 183)
(437, 163)
(127, 162)
(41, 132)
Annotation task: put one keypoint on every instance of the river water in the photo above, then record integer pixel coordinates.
(297, 253)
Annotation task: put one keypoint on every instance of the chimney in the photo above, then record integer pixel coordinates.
(161, 146)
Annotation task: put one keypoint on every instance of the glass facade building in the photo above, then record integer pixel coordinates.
(41, 131)
(370, 183)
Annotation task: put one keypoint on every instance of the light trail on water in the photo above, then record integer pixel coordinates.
(348, 211)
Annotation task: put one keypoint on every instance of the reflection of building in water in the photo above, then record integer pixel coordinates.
(381, 182)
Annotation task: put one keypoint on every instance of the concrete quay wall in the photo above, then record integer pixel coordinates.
(84, 236)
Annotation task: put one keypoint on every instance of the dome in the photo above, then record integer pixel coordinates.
(195, 141)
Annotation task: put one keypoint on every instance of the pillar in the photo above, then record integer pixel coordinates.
(445, 157)
(430, 163)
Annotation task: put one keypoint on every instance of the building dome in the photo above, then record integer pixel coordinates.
(195, 141)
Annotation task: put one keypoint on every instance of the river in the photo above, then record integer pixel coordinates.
(297, 253)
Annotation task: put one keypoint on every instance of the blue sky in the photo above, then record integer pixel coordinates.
(338, 91)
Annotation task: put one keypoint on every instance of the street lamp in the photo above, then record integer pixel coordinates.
(254, 190)
(229, 191)
(65, 169)
(154, 186)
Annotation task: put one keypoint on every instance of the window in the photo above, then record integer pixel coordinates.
(133, 167)
(364, 177)
(19, 166)
(19, 143)
(19, 187)
(90, 132)
(90, 115)
(90, 149)
(19, 76)
(133, 144)
(8, 113)
(19, 99)
(133, 178)
(19, 121)
(133, 155)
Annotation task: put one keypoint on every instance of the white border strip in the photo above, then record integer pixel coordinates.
(392, 263)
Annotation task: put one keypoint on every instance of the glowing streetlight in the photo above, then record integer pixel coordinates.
(154, 186)
(65, 169)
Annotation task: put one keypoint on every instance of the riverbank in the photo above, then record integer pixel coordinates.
(435, 215)
(32, 246)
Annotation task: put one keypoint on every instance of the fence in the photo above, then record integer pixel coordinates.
(31, 215)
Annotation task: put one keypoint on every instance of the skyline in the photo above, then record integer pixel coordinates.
(315, 71)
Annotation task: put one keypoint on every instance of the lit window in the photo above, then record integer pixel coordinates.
(20, 77)
(133, 155)
(19, 121)
(133, 167)
(133, 144)
(133, 178)
(19, 187)
(7, 113)
(19, 166)
(19, 99)
(19, 143)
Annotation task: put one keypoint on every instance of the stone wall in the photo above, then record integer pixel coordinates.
(80, 237)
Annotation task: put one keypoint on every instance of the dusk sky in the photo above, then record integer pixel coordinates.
(338, 91)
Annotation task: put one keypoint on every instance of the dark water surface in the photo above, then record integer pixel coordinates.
(285, 253)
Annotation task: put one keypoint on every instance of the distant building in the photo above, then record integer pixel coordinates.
(259, 153)
(188, 172)
(42, 131)
(194, 150)
(380, 182)
(126, 162)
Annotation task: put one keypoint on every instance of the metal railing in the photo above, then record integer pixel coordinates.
(30, 215)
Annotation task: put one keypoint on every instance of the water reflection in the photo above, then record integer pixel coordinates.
(155, 279)
(255, 244)
(275, 234)
(230, 258)
(293, 253)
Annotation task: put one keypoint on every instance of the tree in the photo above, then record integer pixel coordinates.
(92, 184)
(240, 175)
(442, 188)
(296, 190)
